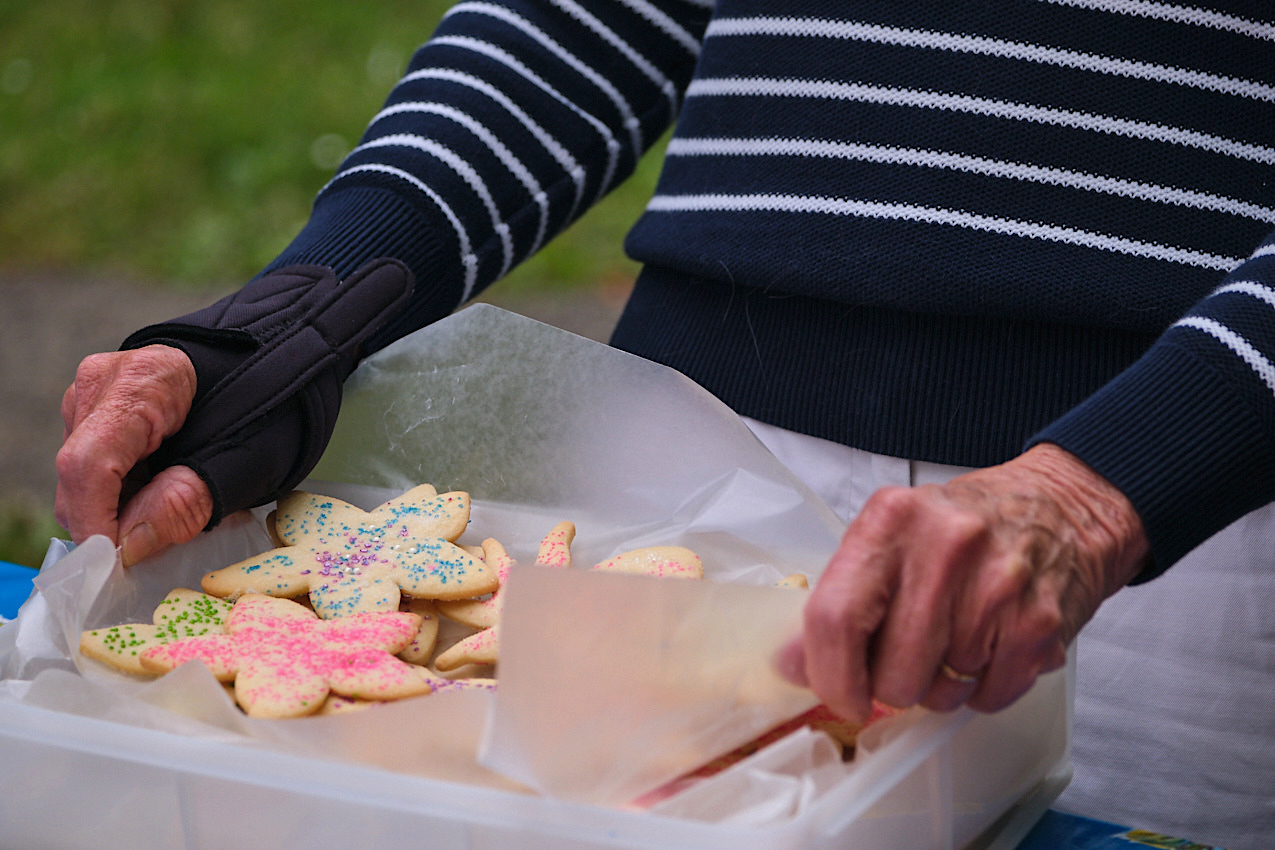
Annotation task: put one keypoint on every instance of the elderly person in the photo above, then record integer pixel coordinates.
(1013, 252)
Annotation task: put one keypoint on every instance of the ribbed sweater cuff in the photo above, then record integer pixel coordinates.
(1179, 443)
(352, 226)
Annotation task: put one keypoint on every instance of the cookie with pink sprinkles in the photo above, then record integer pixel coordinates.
(657, 561)
(285, 661)
(555, 551)
(349, 560)
(483, 647)
(183, 613)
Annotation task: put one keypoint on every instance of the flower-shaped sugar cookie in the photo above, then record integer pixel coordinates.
(442, 684)
(336, 704)
(285, 661)
(183, 613)
(422, 647)
(349, 560)
(555, 551)
(480, 648)
(658, 561)
(483, 647)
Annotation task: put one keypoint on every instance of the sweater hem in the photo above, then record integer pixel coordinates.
(962, 391)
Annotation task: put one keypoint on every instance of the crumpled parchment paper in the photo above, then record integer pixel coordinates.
(609, 685)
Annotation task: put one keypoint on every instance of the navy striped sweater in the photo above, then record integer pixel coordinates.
(928, 229)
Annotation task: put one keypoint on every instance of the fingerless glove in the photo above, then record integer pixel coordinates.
(270, 362)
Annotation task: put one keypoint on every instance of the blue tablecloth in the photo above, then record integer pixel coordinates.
(1055, 831)
(15, 587)
(1058, 831)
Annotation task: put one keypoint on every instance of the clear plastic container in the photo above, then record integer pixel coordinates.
(936, 781)
(678, 465)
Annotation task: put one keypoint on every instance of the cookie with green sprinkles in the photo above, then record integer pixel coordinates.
(285, 661)
(183, 613)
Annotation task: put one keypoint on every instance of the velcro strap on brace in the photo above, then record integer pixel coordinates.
(271, 360)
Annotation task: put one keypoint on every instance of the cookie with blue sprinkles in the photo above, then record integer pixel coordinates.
(349, 560)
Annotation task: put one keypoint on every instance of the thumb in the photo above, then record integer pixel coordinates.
(174, 507)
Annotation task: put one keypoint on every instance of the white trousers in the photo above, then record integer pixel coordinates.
(1175, 688)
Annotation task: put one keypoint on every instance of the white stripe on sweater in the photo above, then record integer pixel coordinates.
(538, 35)
(970, 164)
(644, 65)
(513, 63)
(494, 144)
(466, 172)
(1238, 345)
(1179, 15)
(468, 259)
(664, 24)
(1036, 53)
(754, 87)
(1251, 288)
(934, 215)
(555, 149)
(1264, 251)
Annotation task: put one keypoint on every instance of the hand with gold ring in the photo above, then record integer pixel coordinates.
(956, 676)
(965, 593)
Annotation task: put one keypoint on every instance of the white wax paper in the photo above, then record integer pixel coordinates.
(612, 685)
(539, 426)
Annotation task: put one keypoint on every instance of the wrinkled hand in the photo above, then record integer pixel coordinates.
(991, 574)
(120, 408)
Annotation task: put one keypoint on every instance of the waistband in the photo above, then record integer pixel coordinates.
(960, 390)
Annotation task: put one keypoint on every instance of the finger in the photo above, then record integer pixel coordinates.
(791, 663)
(958, 675)
(1004, 681)
(119, 410)
(985, 602)
(69, 461)
(845, 609)
(835, 649)
(93, 378)
(91, 467)
(59, 497)
(173, 508)
(82, 518)
(1027, 645)
(977, 612)
(78, 402)
(940, 555)
(912, 640)
(951, 688)
(68, 411)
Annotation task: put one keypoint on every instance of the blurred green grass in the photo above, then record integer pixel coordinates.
(25, 532)
(181, 143)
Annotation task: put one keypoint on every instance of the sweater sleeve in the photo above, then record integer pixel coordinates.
(1188, 431)
(511, 121)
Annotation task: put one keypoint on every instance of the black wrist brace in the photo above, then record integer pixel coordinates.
(270, 362)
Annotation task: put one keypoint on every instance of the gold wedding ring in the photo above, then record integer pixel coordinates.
(956, 675)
